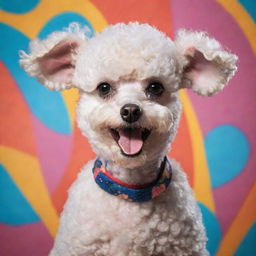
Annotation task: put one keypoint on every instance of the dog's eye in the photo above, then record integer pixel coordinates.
(104, 89)
(154, 89)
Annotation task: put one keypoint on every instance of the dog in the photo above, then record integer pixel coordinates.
(131, 200)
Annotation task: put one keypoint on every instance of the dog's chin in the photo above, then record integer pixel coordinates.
(131, 162)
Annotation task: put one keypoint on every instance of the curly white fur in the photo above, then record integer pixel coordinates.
(129, 57)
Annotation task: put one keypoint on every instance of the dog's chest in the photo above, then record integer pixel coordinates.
(124, 228)
(118, 227)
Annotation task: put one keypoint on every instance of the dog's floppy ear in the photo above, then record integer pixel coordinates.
(53, 60)
(208, 67)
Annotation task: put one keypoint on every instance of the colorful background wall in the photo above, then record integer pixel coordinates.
(41, 149)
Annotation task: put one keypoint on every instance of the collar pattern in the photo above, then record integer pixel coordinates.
(128, 192)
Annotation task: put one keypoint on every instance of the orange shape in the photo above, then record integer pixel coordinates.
(154, 12)
(16, 125)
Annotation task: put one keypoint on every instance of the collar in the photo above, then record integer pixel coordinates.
(133, 193)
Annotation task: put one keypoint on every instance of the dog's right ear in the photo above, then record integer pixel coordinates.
(53, 60)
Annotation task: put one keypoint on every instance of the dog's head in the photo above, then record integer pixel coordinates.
(128, 77)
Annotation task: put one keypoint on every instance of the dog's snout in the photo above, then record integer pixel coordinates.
(130, 113)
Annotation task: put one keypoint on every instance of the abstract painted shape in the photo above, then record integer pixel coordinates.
(15, 209)
(25, 240)
(26, 173)
(240, 225)
(243, 20)
(181, 147)
(80, 154)
(16, 126)
(155, 12)
(248, 245)
(18, 6)
(48, 106)
(53, 151)
(227, 151)
(202, 183)
(213, 230)
(62, 21)
(250, 6)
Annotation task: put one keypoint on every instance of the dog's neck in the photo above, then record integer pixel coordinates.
(136, 176)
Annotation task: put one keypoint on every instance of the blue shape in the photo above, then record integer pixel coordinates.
(227, 151)
(14, 208)
(212, 227)
(250, 7)
(62, 21)
(18, 6)
(48, 106)
(248, 246)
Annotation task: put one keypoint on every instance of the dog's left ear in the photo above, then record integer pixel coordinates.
(53, 59)
(207, 67)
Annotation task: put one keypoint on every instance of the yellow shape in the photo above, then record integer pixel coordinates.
(70, 98)
(240, 226)
(32, 22)
(245, 22)
(25, 171)
(202, 184)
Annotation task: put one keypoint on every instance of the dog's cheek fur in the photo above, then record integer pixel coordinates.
(93, 116)
(164, 120)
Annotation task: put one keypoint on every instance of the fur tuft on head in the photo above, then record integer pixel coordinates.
(128, 51)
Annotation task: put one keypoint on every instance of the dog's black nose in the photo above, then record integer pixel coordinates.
(130, 113)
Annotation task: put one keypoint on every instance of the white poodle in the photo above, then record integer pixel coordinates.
(131, 200)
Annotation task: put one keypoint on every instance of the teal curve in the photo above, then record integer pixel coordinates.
(213, 230)
(15, 209)
(18, 6)
(227, 151)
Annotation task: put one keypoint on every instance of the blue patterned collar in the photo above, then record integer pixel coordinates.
(133, 193)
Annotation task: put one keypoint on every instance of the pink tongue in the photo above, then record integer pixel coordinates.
(130, 141)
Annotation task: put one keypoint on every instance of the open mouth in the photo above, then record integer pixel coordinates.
(130, 140)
